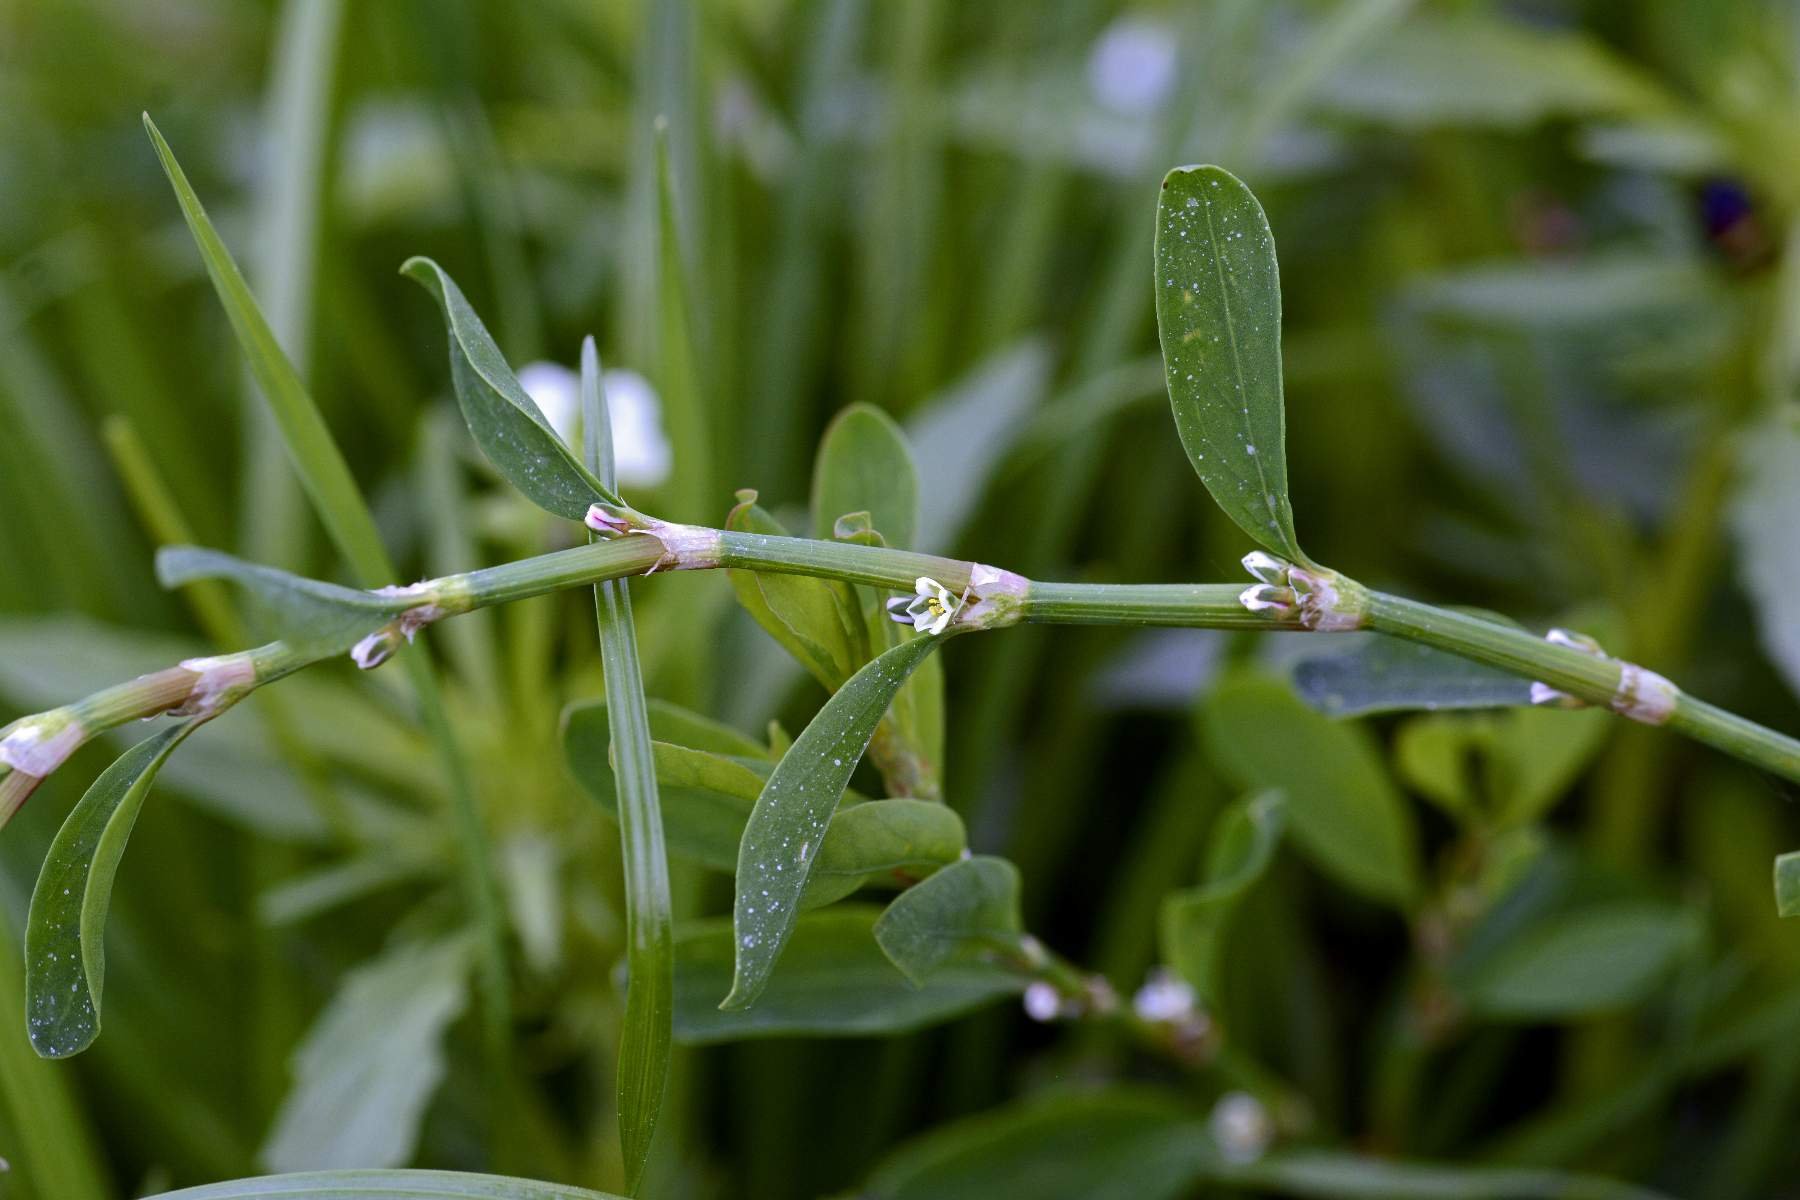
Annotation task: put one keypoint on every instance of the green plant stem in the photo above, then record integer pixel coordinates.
(1590, 678)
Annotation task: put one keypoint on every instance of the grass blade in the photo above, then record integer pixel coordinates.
(65, 946)
(1218, 309)
(644, 1042)
(790, 817)
(333, 491)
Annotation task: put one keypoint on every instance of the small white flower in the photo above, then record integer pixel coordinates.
(641, 452)
(1241, 1127)
(1266, 568)
(1164, 997)
(929, 611)
(1042, 1001)
(1261, 597)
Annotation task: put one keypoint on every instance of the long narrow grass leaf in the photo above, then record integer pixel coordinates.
(348, 520)
(644, 1040)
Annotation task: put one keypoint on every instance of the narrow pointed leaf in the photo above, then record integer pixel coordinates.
(65, 944)
(782, 838)
(323, 471)
(304, 612)
(967, 911)
(384, 1185)
(644, 1039)
(1218, 310)
(834, 982)
(504, 421)
(1194, 920)
(340, 507)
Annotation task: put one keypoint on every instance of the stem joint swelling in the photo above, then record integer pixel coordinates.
(1641, 694)
(1320, 600)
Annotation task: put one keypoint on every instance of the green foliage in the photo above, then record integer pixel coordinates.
(781, 838)
(1531, 345)
(503, 420)
(65, 936)
(370, 1063)
(304, 612)
(966, 911)
(1218, 309)
(1193, 922)
(644, 1040)
(1342, 808)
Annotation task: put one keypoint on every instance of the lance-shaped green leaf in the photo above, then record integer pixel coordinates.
(865, 465)
(834, 982)
(307, 613)
(967, 911)
(503, 419)
(65, 944)
(1787, 884)
(385, 1185)
(803, 614)
(370, 1064)
(1194, 920)
(781, 840)
(644, 1039)
(1218, 310)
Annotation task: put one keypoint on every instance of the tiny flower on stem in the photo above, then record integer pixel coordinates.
(929, 611)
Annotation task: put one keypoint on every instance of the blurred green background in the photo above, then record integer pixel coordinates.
(1542, 339)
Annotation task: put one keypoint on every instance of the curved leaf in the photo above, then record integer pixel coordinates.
(1344, 811)
(503, 419)
(1218, 310)
(385, 1185)
(893, 841)
(865, 465)
(789, 820)
(834, 982)
(305, 612)
(65, 944)
(371, 1062)
(966, 911)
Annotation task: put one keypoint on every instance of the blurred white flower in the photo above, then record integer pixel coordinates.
(1132, 67)
(640, 449)
(1241, 1127)
(1164, 997)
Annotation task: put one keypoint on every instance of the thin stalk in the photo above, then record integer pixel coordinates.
(1586, 677)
